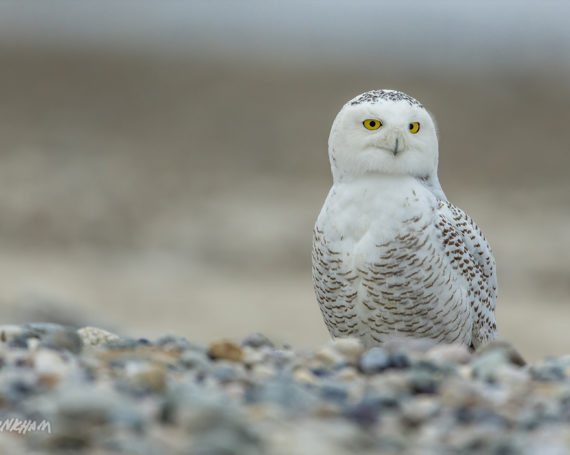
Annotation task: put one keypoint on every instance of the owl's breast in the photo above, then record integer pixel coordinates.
(358, 216)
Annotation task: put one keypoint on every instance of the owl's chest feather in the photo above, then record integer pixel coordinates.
(359, 216)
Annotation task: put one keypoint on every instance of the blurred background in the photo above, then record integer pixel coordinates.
(162, 164)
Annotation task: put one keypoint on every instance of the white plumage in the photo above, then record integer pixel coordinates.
(391, 256)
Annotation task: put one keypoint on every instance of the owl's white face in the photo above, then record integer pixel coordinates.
(375, 134)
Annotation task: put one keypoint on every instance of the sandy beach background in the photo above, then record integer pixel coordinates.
(161, 171)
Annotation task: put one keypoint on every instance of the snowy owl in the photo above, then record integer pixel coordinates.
(392, 257)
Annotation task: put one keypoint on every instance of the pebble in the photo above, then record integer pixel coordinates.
(417, 411)
(375, 360)
(177, 343)
(194, 360)
(409, 345)
(486, 365)
(103, 393)
(150, 378)
(509, 351)
(224, 349)
(305, 376)
(449, 353)
(9, 332)
(347, 374)
(264, 371)
(365, 413)
(329, 357)
(252, 356)
(423, 381)
(350, 348)
(333, 391)
(217, 430)
(548, 372)
(257, 340)
(50, 366)
(284, 391)
(63, 339)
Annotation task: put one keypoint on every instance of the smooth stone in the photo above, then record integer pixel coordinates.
(220, 430)
(399, 360)
(410, 345)
(510, 353)
(420, 409)
(126, 344)
(283, 391)
(333, 391)
(177, 343)
(563, 360)
(82, 404)
(50, 366)
(226, 350)
(150, 378)
(225, 373)
(480, 415)
(347, 374)
(19, 342)
(516, 379)
(183, 399)
(457, 391)
(257, 340)
(283, 358)
(548, 372)
(63, 339)
(350, 348)
(486, 365)
(263, 371)
(194, 360)
(375, 360)
(304, 376)
(16, 385)
(322, 372)
(252, 356)
(383, 398)
(10, 332)
(33, 343)
(12, 445)
(43, 328)
(329, 356)
(449, 353)
(423, 381)
(365, 413)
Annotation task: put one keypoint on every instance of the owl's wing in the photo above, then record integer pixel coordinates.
(469, 251)
(333, 284)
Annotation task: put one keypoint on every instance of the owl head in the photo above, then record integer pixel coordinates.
(383, 132)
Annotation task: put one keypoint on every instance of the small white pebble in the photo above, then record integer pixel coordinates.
(329, 356)
(93, 336)
(9, 332)
(350, 348)
(304, 376)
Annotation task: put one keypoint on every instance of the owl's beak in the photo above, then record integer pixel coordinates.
(392, 143)
(395, 149)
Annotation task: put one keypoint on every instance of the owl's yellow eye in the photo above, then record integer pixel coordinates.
(414, 127)
(372, 124)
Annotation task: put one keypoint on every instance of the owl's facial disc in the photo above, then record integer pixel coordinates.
(383, 137)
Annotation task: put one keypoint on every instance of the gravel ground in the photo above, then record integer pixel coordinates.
(89, 391)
